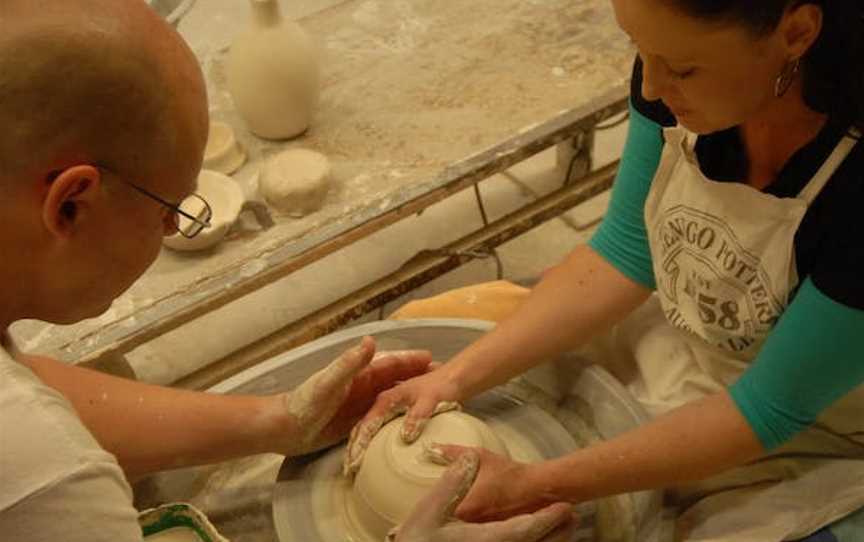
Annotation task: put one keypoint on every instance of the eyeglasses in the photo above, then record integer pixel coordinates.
(191, 215)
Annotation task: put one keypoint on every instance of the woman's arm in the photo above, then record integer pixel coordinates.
(813, 357)
(690, 443)
(595, 287)
(576, 300)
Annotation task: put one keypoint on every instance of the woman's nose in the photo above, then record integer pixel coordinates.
(654, 78)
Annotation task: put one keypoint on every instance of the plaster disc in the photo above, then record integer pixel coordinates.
(310, 498)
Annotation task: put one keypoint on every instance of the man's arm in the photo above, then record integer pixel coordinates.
(151, 428)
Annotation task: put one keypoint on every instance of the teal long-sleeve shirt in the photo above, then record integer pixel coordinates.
(812, 358)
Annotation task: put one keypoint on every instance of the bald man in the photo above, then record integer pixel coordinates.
(104, 117)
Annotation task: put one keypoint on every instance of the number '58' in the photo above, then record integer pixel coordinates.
(724, 314)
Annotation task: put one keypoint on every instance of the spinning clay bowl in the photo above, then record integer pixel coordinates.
(394, 476)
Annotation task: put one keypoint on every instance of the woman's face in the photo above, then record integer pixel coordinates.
(712, 76)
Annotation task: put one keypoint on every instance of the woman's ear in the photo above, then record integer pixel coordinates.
(800, 28)
(70, 194)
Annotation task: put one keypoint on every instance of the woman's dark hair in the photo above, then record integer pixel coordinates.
(832, 70)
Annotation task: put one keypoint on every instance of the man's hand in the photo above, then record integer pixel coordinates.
(499, 491)
(432, 518)
(322, 410)
(420, 397)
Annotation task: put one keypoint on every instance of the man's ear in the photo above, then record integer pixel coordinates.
(70, 195)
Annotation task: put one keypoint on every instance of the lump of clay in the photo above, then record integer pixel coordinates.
(225, 198)
(223, 153)
(295, 181)
(395, 475)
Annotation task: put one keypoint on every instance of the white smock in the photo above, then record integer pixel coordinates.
(56, 482)
(724, 262)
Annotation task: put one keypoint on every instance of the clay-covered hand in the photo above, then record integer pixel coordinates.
(420, 397)
(321, 411)
(499, 491)
(432, 519)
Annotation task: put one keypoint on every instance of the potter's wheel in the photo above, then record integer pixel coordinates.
(247, 499)
(311, 497)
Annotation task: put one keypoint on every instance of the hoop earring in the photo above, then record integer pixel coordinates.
(784, 80)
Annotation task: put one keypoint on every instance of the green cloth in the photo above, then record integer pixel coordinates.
(850, 528)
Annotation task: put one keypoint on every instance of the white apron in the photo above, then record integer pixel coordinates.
(724, 261)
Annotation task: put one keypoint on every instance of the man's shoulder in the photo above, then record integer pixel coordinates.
(42, 440)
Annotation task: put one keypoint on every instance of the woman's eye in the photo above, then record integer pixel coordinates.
(683, 74)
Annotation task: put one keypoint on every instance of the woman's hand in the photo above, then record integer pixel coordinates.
(321, 411)
(432, 518)
(420, 397)
(501, 489)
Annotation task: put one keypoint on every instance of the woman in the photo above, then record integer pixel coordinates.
(737, 202)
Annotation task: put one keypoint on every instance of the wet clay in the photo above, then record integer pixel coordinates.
(394, 476)
(295, 182)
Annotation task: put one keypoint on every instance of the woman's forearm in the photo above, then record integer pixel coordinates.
(693, 442)
(576, 300)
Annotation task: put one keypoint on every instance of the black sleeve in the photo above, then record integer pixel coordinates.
(656, 110)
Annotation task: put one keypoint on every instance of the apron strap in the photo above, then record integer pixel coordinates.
(818, 182)
(687, 140)
(676, 136)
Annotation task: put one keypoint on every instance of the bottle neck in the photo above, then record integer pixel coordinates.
(266, 12)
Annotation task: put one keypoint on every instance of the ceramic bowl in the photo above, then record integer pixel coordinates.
(395, 475)
(226, 199)
(223, 153)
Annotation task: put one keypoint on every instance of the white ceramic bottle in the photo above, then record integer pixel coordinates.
(272, 74)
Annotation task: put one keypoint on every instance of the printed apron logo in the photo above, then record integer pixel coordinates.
(710, 285)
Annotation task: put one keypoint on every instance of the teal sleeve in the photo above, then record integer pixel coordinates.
(812, 358)
(622, 239)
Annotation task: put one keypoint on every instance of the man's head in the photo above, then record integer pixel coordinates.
(94, 94)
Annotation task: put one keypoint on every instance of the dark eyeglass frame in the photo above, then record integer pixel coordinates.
(199, 222)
